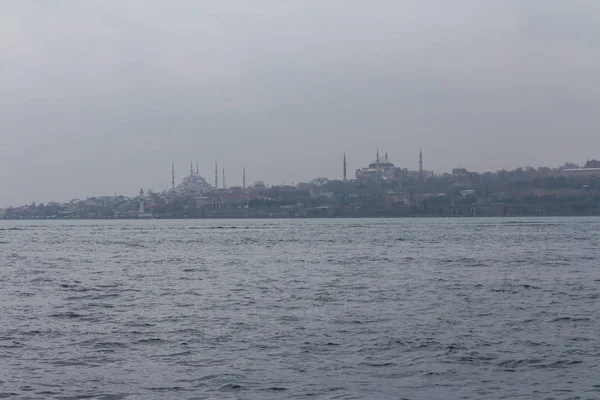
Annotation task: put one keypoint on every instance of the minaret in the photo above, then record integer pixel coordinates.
(386, 158)
(197, 169)
(223, 183)
(421, 172)
(216, 176)
(244, 179)
(345, 179)
(377, 166)
(141, 201)
(173, 176)
(191, 169)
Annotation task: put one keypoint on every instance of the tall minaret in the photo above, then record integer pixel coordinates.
(197, 169)
(377, 165)
(216, 176)
(173, 176)
(141, 201)
(191, 169)
(223, 183)
(345, 179)
(244, 179)
(421, 172)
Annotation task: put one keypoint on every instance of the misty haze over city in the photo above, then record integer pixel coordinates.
(299, 199)
(101, 97)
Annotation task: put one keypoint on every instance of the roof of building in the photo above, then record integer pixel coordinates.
(383, 162)
(581, 169)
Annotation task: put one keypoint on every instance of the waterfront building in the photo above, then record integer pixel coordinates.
(581, 172)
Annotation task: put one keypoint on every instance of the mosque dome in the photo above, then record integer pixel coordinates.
(383, 162)
(193, 185)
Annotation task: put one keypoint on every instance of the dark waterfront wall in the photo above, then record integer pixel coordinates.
(449, 211)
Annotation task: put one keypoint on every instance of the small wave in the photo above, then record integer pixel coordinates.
(453, 348)
(69, 363)
(111, 396)
(68, 314)
(47, 393)
(181, 353)
(368, 364)
(168, 389)
(526, 286)
(13, 345)
(477, 358)
(36, 332)
(103, 345)
(69, 286)
(504, 291)
(561, 364)
(531, 343)
(139, 324)
(78, 298)
(151, 340)
(212, 376)
(515, 364)
(231, 386)
(135, 245)
(36, 280)
(574, 319)
(105, 296)
(289, 318)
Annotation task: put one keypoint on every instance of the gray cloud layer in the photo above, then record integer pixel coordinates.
(100, 96)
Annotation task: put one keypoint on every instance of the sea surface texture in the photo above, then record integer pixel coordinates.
(300, 309)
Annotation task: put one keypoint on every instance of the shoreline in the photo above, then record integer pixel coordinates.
(581, 215)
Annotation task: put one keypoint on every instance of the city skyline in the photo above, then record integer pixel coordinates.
(346, 174)
(100, 97)
(175, 175)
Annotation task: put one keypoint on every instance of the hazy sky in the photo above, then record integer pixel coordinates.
(100, 96)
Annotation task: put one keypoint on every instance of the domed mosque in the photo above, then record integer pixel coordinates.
(380, 169)
(193, 185)
(382, 163)
(383, 169)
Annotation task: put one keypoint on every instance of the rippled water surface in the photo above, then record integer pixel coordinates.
(276, 309)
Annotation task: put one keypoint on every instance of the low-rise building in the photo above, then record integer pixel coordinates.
(581, 172)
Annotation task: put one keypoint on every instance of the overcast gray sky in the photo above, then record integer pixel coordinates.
(100, 96)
